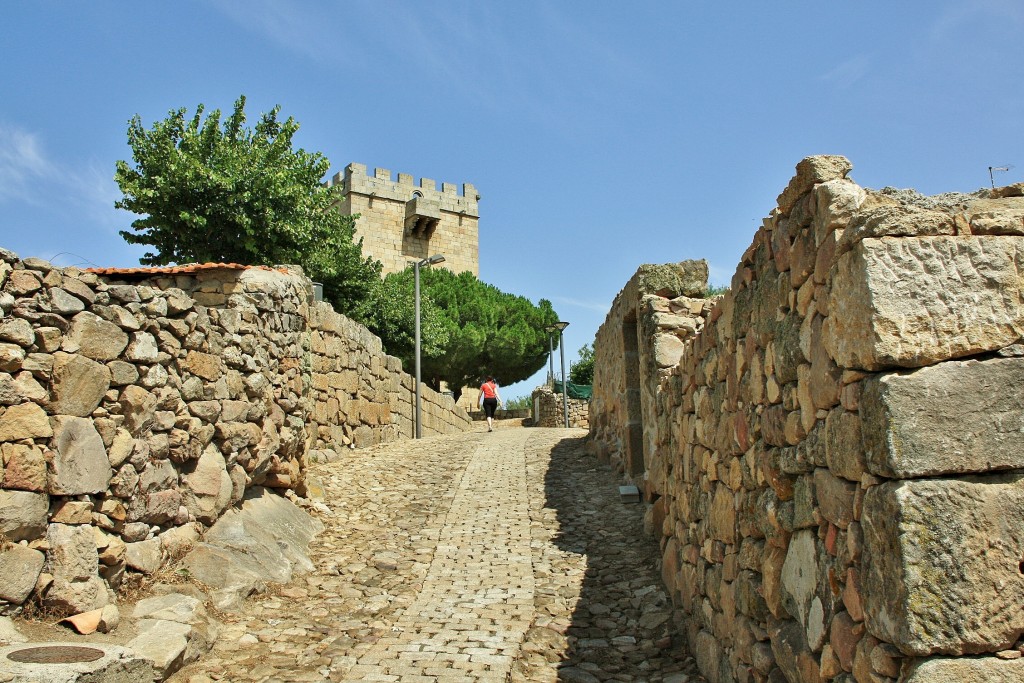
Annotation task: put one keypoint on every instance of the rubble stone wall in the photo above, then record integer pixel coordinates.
(135, 408)
(552, 410)
(836, 461)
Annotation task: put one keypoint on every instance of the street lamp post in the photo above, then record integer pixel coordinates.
(560, 326)
(416, 265)
(550, 329)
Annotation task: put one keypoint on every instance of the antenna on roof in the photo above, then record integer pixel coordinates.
(991, 177)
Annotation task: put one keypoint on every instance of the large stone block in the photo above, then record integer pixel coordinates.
(955, 417)
(95, 337)
(916, 301)
(20, 567)
(809, 172)
(942, 564)
(77, 384)
(80, 464)
(23, 514)
(966, 670)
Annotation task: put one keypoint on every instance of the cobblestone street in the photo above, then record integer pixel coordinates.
(504, 556)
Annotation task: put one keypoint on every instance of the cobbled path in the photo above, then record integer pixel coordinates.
(503, 556)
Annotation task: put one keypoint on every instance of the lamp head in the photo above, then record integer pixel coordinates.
(560, 325)
(435, 259)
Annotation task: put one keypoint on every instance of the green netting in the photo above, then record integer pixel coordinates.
(580, 391)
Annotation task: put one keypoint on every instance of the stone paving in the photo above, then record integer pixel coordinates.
(503, 556)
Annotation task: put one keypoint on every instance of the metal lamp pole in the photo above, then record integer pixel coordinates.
(416, 265)
(560, 326)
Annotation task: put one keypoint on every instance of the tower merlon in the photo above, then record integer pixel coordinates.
(356, 180)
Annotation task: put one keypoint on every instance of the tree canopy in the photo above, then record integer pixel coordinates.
(582, 371)
(469, 329)
(225, 193)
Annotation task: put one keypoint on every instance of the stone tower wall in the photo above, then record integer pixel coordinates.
(386, 222)
(834, 450)
(137, 406)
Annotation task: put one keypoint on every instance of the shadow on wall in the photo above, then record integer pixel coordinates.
(622, 623)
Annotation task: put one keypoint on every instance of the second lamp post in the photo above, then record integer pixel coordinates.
(560, 326)
(416, 265)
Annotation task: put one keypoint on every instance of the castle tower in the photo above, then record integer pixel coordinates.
(401, 222)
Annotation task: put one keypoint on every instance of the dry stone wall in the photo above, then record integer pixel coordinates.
(137, 406)
(836, 461)
(550, 409)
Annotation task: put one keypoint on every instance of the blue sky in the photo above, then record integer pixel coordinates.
(600, 135)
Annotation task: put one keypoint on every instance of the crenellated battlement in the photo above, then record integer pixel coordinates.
(355, 179)
(400, 220)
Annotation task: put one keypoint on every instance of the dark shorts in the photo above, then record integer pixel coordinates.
(490, 405)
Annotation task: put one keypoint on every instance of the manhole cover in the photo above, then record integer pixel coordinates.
(55, 654)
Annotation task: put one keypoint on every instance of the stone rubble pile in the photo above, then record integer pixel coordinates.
(136, 407)
(834, 448)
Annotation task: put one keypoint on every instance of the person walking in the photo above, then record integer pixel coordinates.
(490, 399)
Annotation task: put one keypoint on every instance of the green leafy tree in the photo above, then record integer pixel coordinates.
(582, 371)
(225, 193)
(469, 329)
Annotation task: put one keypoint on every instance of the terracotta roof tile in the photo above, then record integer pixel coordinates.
(177, 270)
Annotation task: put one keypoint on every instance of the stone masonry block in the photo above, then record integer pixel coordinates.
(942, 564)
(950, 418)
(966, 670)
(910, 302)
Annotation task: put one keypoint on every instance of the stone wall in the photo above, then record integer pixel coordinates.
(551, 410)
(137, 405)
(836, 462)
(400, 221)
(639, 343)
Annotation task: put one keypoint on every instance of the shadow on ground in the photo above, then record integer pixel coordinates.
(622, 626)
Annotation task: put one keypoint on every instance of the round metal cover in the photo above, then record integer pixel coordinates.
(55, 654)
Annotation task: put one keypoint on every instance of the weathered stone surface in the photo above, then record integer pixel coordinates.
(24, 421)
(23, 514)
(914, 302)
(139, 409)
(800, 575)
(94, 337)
(835, 497)
(995, 216)
(72, 512)
(792, 654)
(142, 348)
(74, 564)
(144, 556)
(809, 172)
(686, 278)
(20, 567)
(966, 670)
(894, 220)
(77, 385)
(80, 463)
(844, 451)
(17, 331)
(910, 415)
(915, 534)
(24, 467)
(204, 365)
(162, 644)
(267, 538)
(207, 489)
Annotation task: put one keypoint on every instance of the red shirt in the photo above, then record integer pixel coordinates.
(490, 389)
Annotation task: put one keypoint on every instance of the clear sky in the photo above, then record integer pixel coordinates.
(601, 135)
